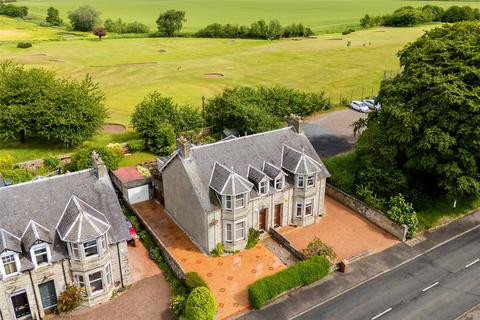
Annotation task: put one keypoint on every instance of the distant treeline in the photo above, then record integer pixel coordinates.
(13, 11)
(118, 26)
(410, 16)
(257, 30)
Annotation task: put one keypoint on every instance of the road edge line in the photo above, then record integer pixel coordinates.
(386, 271)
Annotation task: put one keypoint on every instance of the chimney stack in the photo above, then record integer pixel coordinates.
(100, 168)
(296, 122)
(183, 147)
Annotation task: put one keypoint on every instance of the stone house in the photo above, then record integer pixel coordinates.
(58, 231)
(216, 192)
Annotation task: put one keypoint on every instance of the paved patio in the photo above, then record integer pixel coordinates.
(228, 277)
(343, 229)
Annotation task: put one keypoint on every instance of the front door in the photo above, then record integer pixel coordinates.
(277, 219)
(48, 294)
(20, 305)
(262, 219)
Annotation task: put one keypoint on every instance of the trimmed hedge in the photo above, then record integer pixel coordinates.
(200, 305)
(300, 274)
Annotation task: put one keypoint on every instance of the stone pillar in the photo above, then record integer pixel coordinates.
(183, 147)
(296, 122)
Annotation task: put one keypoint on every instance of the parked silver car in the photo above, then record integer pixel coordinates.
(372, 104)
(359, 106)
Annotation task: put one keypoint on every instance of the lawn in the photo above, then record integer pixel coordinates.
(128, 69)
(321, 15)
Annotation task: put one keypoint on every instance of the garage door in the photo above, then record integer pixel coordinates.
(138, 194)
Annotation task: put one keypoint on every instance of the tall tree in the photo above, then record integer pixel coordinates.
(84, 19)
(426, 136)
(34, 103)
(171, 22)
(53, 17)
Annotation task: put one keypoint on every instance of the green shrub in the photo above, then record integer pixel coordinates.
(348, 31)
(218, 251)
(177, 305)
(17, 175)
(253, 237)
(135, 145)
(24, 45)
(200, 305)
(13, 11)
(155, 254)
(193, 280)
(6, 162)
(69, 299)
(300, 274)
(343, 169)
(145, 236)
(403, 212)
(82, 157)
(51, 162)
(317, 247)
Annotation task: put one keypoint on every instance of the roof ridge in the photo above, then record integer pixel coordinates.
(240, 138)
(46, 179)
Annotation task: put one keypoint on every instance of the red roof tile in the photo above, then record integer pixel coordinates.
(128, 174)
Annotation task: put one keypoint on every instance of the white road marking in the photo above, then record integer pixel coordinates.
(430, 286)
(472, 263)
(381, 314)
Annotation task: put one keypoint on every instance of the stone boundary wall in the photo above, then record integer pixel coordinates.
(373, 215)
(284, 242)
(169, 259)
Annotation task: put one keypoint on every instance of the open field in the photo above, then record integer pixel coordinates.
(320, 15)
(128, 69)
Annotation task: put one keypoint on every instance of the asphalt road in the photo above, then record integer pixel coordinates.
(439, 285)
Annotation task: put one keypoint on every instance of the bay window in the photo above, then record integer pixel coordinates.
(87, 249)
(300, 182)
(298, 213)
(309, 208)
(240, 230)
(240, 201)
(108, 275)
(95, 281)
(311, 180)
(279, 183)
(90, 248)
(228, 202)
(228, 232)
(263, 188)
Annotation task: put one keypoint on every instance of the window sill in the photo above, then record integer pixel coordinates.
(42, 265)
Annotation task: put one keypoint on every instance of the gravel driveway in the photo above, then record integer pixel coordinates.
(331, 133)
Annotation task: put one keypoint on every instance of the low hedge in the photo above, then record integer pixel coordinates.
(300, 274)
(193, 280)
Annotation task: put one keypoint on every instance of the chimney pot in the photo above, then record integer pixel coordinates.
(296, 122)
(100, 167)
(183, 146)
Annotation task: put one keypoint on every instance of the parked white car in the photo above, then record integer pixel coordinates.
(371, 104)
(359, 106)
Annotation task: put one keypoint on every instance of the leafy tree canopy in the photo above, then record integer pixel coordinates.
(34, 103)
(426, 136)
(157, 119)
(84, 19)
(53, 17)
(171, 22)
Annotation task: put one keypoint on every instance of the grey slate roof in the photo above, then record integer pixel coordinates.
(298, 162)
(239, 153)
(81, 222)
(227, 182)
(35, 233)
(271, 170)
(45, 200)
(256, 175)
(9, 242)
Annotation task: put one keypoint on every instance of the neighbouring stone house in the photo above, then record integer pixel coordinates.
(58, 231)
(216, 192)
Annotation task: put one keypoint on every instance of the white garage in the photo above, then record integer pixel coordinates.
(138, 194)
(133, 185)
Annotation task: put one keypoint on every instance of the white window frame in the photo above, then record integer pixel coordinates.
(102, 279)
(80, 284)
(309, 203)
(241, 228)
(12, 308)
(228, 233)
(16, 260)
(263, 187)
(278, 183)
(240, 197)
(228, 202)
(103, 240)
(299, 204)
(33, 255)
(311, 180)
(75, 251)
(300, 182)
(91, 246)
(108, 275)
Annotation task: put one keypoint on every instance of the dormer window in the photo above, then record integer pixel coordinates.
(263, 187)
(300, 182)
(40, 254)
(279, 183)
(10, 263)
(311, 180)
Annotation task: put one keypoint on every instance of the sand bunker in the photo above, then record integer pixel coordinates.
(214, 75)
(162, 50)
(114, 128)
